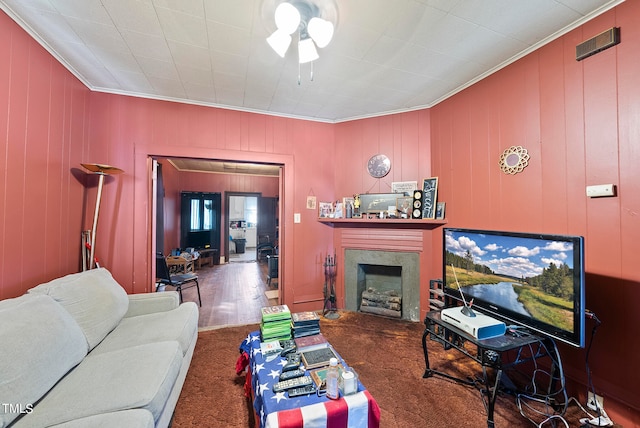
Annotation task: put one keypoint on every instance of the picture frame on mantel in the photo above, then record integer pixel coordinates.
(429, 197)
(403, 206)
(325, 210)
(440, 207)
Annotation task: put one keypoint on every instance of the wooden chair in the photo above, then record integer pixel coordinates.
(178, 280)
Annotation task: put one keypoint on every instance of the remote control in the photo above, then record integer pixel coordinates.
(288, 343)
(296, 382)
(287, 351)
(304, 390)
(291, 374)
(288, 346)
(293, 362)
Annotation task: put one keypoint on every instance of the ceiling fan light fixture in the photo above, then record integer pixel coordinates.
(279, 42)
(307, 51)
(321, 31)
(287, 18)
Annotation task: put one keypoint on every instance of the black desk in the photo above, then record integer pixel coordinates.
(494, 355)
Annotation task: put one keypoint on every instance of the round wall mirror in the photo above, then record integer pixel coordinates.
(514, 159)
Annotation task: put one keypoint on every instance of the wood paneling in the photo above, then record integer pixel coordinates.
(579, 122)
(42, 119)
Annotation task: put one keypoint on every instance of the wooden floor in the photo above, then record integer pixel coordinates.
(232, 293)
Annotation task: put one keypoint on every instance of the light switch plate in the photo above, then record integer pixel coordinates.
(296, 217)
(600, 190)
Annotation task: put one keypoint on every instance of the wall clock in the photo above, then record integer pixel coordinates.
(379, 166)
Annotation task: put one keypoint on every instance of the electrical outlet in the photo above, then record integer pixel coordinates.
(296, 217)
(595, 401)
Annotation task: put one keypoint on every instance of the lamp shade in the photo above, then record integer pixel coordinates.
(307, 51)
(321, 31)
(279, 41)
(287, 18)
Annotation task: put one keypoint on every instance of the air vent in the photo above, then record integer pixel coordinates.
(602, 41)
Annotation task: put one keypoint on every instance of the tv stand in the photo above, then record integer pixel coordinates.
(495, 355)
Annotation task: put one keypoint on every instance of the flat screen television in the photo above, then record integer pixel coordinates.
(527, 279)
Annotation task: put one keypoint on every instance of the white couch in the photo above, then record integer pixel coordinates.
(79, 352)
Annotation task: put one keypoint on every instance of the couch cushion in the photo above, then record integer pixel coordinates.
(93, 298)
(40, 343)
(136, 418)
(137, 377)
(180, 324)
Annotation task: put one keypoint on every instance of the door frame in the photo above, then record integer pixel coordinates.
(144, 154)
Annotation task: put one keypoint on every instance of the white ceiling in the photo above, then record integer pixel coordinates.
(386, 56)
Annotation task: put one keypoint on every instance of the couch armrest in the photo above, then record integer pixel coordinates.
(147, 303)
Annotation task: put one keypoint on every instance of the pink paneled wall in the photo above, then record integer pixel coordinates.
(139, 128)
(579, 122)
(43, 112)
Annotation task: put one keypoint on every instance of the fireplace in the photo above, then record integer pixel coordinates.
(389, 273)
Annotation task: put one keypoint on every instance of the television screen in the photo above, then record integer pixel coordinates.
(200, 239)
(532, 280)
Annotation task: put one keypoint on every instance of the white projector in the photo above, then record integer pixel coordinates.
(481, 326)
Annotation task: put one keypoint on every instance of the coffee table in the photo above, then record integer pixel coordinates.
(272, 410)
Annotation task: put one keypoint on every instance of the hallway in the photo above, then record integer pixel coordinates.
(232, 294)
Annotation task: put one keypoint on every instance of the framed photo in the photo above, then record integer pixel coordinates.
(403, 206)
(429, 197)
(311, 202)
(440, 206)
(404, 187)
(325, 209)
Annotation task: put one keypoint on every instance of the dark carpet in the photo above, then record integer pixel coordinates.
(386, 353)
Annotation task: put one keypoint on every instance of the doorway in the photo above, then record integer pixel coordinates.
(200, 221)
(183, 173)
(242, 229)
(252, 226)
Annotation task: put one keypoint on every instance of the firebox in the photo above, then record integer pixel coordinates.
(388, 273)
(380, 289)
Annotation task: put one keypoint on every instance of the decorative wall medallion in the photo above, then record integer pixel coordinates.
(514, 159)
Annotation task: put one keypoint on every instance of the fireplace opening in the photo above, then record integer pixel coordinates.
(380, 289)
(386, 270)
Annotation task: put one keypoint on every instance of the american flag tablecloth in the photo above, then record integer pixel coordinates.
(277, 410)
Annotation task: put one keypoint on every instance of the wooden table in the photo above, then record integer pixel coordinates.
(206, 257)
(179, 264)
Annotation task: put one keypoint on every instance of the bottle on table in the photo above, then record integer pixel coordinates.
(332, 380)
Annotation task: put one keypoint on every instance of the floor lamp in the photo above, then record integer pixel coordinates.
(100, 170)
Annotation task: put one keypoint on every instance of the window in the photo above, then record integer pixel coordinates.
(200, 220)
(201, 214)
(251, 210)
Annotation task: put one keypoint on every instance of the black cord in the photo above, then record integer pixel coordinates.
(590, 386)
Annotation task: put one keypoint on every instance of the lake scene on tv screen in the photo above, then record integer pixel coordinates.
(532, 277)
